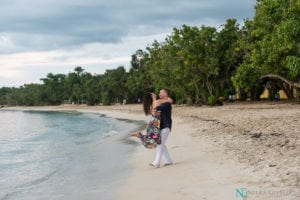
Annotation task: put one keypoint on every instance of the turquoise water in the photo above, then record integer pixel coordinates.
(59, 155)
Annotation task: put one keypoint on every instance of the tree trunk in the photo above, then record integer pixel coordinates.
(288, 91)
(286, 88)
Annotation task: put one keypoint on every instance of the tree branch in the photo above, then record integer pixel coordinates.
(276, 76)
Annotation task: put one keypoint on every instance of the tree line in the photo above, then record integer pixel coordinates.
(199, 65)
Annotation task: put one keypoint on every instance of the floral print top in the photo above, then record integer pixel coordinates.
(152, 137)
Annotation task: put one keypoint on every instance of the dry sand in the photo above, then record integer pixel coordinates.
(217, 151)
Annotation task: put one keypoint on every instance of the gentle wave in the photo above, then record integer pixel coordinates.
(32, 183)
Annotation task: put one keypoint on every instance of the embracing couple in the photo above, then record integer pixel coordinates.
(159, 126)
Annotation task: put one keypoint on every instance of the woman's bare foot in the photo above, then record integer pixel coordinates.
(136, 134)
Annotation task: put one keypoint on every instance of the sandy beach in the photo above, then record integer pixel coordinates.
(218, 152)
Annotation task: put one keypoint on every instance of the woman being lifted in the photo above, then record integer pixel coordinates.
(152, 137)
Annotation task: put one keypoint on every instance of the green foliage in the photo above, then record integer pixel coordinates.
(9, 96)
(30, 95)
(139, 80)
(293, 65)
(211, 100)
(105, 99)
(53, 88)
(246, 80)
(195, 63)
(113, 84)
(198, 64)
(91, 88)
(270, 45)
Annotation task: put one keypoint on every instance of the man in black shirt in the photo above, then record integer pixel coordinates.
(165, 126)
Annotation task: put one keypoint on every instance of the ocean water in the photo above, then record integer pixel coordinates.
(60, 155)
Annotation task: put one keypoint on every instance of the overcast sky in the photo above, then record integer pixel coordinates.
(42, 36)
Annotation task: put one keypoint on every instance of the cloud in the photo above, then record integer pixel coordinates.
(50, 24)
(28, 67)
(37, 37)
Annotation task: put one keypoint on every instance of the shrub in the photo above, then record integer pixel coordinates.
(211, 100)
(105, 100)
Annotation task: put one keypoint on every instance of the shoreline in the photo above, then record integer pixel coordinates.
(216, 150)
(115, 144)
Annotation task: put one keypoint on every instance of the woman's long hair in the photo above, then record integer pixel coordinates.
(147, 103)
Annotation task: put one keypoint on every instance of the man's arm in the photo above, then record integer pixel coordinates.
(161, 101)
(164, 106)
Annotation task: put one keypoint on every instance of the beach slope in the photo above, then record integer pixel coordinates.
(221, 152)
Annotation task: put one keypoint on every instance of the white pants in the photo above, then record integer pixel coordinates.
(162, 150)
